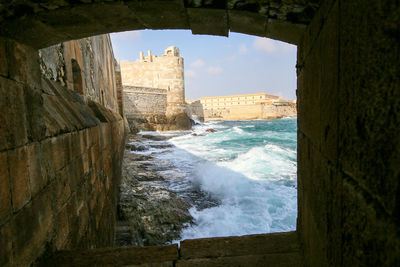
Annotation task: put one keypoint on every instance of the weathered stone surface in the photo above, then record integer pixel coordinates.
(6, 241)
(73, 20)
(13, 126)
(370, 238)
(240, 245)
(37, 175)
(284, 31)
(18, 166)
(247, 22)
(5, 188)
(30, 239)
(3, 58)
(208, 21)
(279, 259)
(132, 256)
(46, 168)
(160, 14)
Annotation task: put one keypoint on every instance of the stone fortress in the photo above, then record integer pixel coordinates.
(241, 107)
(154, 95)
(154, 91)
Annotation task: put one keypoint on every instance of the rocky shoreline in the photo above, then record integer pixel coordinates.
(148, 213)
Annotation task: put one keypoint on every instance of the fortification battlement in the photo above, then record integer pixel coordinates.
(171, 51)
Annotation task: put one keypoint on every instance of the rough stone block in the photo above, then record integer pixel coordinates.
(278, 259)
(30, 238)
(60, 150)
(319, 198)
(312, 32)
(3, 58)
(48, 167)
(247, 22)
(5, 189)
(308, 96)
(85, 162)
(284, 31)
(61, 188)
(239, 245)
(19, 177)
(83, 140)
(13, 124)
(370, 236)
(62, 230)
(329, 61)
(160, 14)
(75, 21)
(208, 21)
(30, 31)
(369, 99)
(6, 240)
(37, 175)
(165, 255)
(23, 64)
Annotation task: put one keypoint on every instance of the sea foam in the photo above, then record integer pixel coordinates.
(247, 167)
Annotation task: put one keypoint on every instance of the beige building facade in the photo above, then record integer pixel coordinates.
(242, 107)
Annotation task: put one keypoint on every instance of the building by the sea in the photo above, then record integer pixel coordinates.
(243, 106)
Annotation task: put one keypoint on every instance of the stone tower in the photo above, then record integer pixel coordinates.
(163, 72)
(174, 80)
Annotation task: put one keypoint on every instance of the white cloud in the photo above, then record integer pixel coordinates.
(131, 35)
(214, 70)
(198, 63)
(190, 74)
(243, 49)
(271, 46)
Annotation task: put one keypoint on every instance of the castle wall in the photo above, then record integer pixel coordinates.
(60, 150)
(163, 72)
(142, 101)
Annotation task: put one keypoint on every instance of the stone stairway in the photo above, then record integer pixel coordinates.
(278, 249)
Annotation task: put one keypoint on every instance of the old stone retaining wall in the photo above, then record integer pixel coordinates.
(144, 101)
(60, 154)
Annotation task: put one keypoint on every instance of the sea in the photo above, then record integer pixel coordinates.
(240, 177)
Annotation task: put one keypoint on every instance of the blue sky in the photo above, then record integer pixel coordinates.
(217, 65)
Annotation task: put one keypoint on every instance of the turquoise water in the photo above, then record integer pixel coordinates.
(245, 173)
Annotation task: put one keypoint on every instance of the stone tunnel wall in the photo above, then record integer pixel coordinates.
(60, 156)
(86, 66)
(348, 139)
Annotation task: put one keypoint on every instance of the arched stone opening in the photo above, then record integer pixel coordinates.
(348, 106)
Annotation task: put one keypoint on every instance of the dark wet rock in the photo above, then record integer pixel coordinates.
(138, 148)
(148, 214)
(161, 146)
(163, 152)
(210, 130)
(156, 137)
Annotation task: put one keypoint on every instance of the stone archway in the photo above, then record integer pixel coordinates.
(348, 104)
(43, 24)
